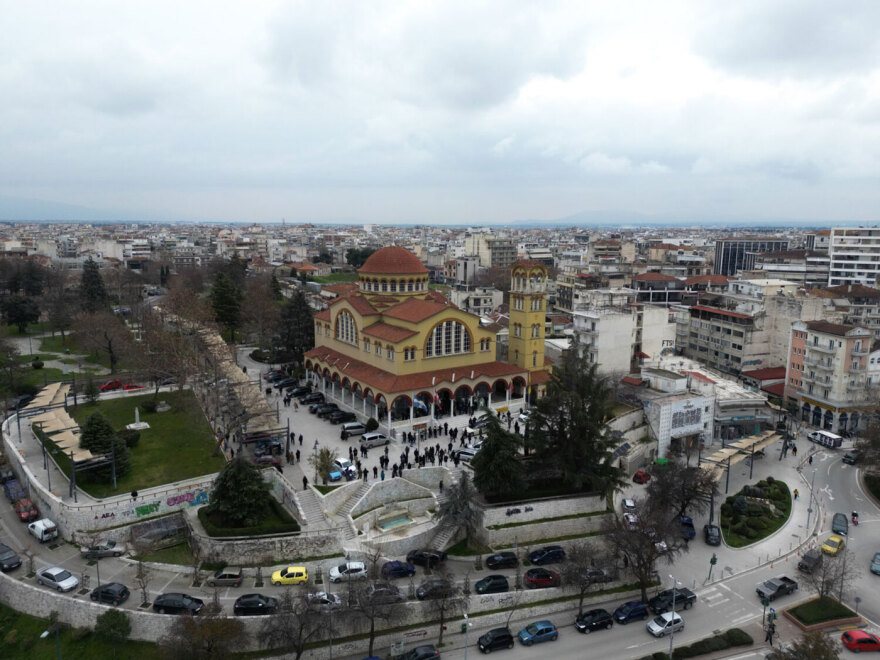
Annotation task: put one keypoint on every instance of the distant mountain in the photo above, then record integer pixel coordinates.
(37, 210)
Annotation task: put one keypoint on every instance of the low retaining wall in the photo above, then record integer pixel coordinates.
(538, 510)
(538, 530)
(390, 492)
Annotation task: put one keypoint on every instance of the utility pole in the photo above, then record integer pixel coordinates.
(810, 507)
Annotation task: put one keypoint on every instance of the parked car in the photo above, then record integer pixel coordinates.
(630, 611)
(43, 530)
(775, 587)
(285, 382)
(631, 521)
(231, 576)
(688, 531)
(598, 619)
(539, 631)
(859, 640)
(492, 584)
(397, 569)
(267, 461)
(350, 570)
(598, 575)
(833, 545)
(504, 559)
(550, 554)
(369, 440)
(341, 416)
(641, 477)
(541, 578)
(812, 559)
(9, 560)
(344, 466)
(840, 524)
(323, 602)
(852, 457)
(875, 564)
(254, 605)
(299, 390)
(383, 592)
(434, 588)
(129, 387)
(57, 578)
(113, 593)
(712, 534)
(308, 399)
(325, 409)
(665, 623)
(426, 557)
(629, 505)
(269, 448)
(174, 603)
(13, 490)
(313, 407)
(426, 652)
(672, 599)
(111, 385)
(108, 549)
(273, 373)
(25, 510)
(497, 638)
(290, 575)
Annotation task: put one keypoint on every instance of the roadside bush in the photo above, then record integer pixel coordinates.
(740, 505)
(150, 405)
(728, 639)
(283, 523)
(756, 509)
(726, 510)
(371, 425)
(771, 480)
(757, 523)
(37, 364)
(737, 637)
(130, 437)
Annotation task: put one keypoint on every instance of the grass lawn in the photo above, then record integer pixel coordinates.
(335, 278)
(21, 641)
(176, 554)
(462, 549)
(821, 610)
(178, 444)
(872, 481)
(57, 345)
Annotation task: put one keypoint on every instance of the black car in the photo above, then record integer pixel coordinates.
(314, 397)
(112, 592)
(8, 559)
(426, 557)
(254, 605)
(492, 584)
(434, 588)
(284, 382)
(340, 416)
(712, 534)
(326, 409)
(421, 653)
(502, 560)
(300, 390)
(383, 592)
(547, 555)
(594, 620)
(177, 604)
(497, 638)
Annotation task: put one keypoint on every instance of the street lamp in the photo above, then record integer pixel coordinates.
(315, 460)
(810, 507)
(48, 632)
(675, 583)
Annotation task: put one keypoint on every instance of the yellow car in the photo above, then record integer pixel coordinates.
(290, 575)
(833, 545)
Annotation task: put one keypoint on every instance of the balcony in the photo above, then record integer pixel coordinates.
(855, 387)
(858, 352)
(856, 370)
(822, 348)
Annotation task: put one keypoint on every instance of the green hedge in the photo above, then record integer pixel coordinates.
(727, 639)
(821, 610)
(278, 522)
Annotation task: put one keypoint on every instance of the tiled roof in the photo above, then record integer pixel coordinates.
(361, 305)
(715, 280)
(392, 260)
(654, 277)
(632, 380)
(415, 311)
(539, 377)
(323, 315)
(388, 332)
(777, 389)
(389, 383)
(723, 312)
(770, 373)
(839, 329)
(854, 291)
(528, 263)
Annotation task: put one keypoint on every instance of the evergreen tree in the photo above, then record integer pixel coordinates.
(498, 471)
(21, 311)
(297, 328)
(241, 497)
(226, 302)
(91, 288)
(97, 434)
(460, 508)
(276, 287)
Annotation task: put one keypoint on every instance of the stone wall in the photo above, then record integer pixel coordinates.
(332, 501)
(261, 549)
(429, 477)
(285, 493)
(391, 492)
(538, 510)
(537, 530)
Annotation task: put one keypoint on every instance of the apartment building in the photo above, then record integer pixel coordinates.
(808, 268)
(854, 255)
(493, 252)
(827, 373)
(480, 300)
(855, 304)
(731, 253)
(619, 338)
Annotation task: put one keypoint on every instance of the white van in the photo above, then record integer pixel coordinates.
(374, 440)
(43, 530)
(353, 428)
(826, 439)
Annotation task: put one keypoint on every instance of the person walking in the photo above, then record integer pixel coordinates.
(811, 459)
(382, 474)
(297, 455)
(441, 485)
(796, 494)
(305, 482)
(375, 472)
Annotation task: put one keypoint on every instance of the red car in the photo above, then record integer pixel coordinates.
(111, 385)
(266, 461)
(859, 640)
(26, 511)
(641, 477)
(131, 386)
(541, 578)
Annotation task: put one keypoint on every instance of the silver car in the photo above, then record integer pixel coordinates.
(373, 440)
(665, 623)
(57, 578)
(108, 549)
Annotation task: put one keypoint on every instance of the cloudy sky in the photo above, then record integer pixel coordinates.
(441, 112)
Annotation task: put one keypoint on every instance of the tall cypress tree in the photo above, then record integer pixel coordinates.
(91, 288)
(297, 333)
(226, 302)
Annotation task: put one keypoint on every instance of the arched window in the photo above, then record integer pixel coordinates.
(394, 286)
(535, 359)
(409, 285)
(384, 285)
(448, 338)
(346, 330)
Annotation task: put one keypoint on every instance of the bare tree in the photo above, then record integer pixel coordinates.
(447, 602)
(678, 488)
(581, 571)
(103, 332)
(260, 310)
(374, 610)
(293, 625)
(143, 573)
(208, 636)
(643, 543)
(832, 576)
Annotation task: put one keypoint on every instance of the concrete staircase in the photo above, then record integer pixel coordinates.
(444, 532)
(353, 499)
(311, 508)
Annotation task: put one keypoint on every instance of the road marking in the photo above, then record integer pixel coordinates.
(743, 619)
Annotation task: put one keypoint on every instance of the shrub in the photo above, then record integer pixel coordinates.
(150, 405)
(726, 510)
(757, 523)
(756, 509)
(751, 533)
(78, 634)
(770, 480)
(130, 437)
(37, 364)
(371, 425)
(737, 637)
(740, 528)
(740, 504)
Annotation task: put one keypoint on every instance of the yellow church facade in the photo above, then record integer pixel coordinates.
(397, 351)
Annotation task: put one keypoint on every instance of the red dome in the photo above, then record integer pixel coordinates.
(392, 261)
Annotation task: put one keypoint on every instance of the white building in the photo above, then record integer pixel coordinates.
(855, 256)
